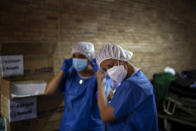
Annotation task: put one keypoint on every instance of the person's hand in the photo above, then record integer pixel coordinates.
(100, 77)
(66, 64)
(111, 94)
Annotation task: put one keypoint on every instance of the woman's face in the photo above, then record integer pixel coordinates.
(107, 64)
(80, 62)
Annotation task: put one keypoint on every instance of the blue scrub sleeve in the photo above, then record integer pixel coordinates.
(94, 65)
(126, 100)
(67, 64)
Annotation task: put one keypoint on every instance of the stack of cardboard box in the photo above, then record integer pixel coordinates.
(23, 103)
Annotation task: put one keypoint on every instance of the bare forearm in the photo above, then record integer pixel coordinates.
(102, 99)
(52, 86)
(106, 111)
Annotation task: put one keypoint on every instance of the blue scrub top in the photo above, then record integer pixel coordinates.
(134, 105)
(81, 110)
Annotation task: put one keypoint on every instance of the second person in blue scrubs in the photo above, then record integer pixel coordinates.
(132, 107)
(77, 80)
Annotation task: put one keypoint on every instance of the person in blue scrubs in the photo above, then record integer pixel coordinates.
(77, 80)
(132, 107)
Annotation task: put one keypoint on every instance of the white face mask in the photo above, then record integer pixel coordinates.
(117, 73)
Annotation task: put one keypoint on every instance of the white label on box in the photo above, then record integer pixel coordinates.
(22, 109)
(12, 65)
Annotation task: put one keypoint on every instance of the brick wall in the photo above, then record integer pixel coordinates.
(28, 20)
(159, 32)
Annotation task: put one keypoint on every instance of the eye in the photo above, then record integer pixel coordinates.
(74, 56)
(110, 65)
(103, 69)
(82, 56)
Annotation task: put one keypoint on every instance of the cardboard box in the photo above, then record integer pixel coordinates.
(37, 59)
(44, 122)
(19, 109)
(20, 89)
(49, 113)
(38, 65)
(12, 91)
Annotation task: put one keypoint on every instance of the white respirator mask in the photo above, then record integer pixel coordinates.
(117, 73)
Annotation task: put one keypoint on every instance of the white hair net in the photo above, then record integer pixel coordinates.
(85, 48)
(113, 51)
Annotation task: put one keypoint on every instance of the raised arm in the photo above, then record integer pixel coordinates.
(106, 111)
(52, 86)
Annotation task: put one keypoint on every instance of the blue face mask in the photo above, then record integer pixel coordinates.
(79, 64)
